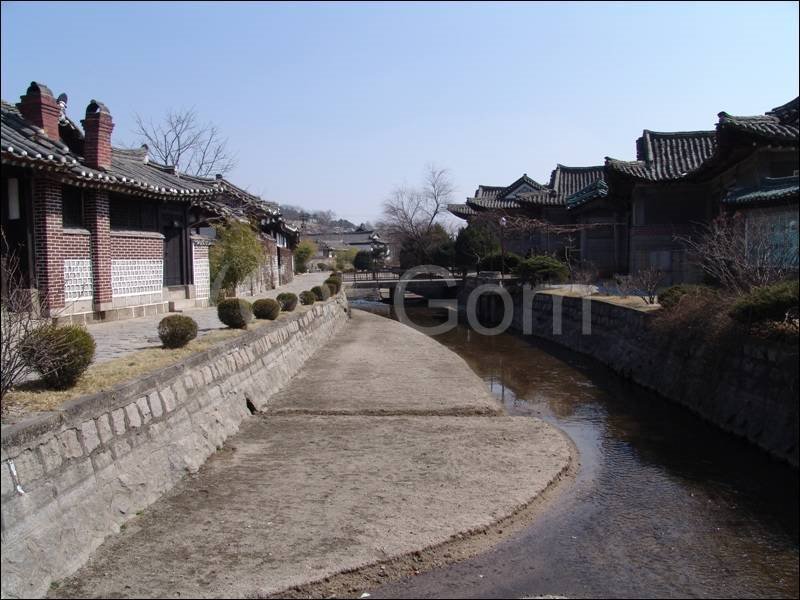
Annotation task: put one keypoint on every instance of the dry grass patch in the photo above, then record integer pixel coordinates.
(634, 302)
(31, 397)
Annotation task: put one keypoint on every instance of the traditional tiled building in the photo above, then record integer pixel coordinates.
(683, 180)
(530, 199)
(100, 232)
(631, 215)
(359, 239)
(661, 205)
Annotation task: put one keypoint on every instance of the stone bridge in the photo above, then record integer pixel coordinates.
(428, 288)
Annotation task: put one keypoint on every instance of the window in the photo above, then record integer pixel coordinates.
(132, 214)
(72, 206)
(660, 259)
(638, 213)
(13, 199)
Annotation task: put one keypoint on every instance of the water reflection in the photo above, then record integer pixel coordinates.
(664, 504)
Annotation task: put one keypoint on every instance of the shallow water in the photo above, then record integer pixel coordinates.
(664, 505)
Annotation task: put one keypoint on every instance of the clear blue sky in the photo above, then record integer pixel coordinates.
(330, 106)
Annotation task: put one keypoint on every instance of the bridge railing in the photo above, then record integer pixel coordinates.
(392, 274)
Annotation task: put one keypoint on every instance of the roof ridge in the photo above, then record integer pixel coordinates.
(707, 132)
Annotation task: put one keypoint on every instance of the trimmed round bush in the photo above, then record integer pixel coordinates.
(59, 354)
(768, 303)
(336, 282)
(266, 309)
(176, 331)
(235, 312)
(542, 269)
(671, 297)
(288, 301)
(307, 298)
(321, 292)
(495, 262)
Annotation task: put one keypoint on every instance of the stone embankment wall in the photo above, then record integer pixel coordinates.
(73, 477)
(749, 388)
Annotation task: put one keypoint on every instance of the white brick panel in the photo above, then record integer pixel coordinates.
(134, 277)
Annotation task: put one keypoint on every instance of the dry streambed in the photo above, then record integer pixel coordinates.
(320, 502)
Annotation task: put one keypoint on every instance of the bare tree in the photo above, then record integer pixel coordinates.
(742, 253)
(181, 140)
(643, 284)
(19, 318)
(410, 214)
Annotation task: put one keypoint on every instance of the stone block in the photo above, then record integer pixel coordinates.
(103, 423)
(6, 483)
(120, 448)
(70, 446)
(101, 460)
(50, 452)
(28, 467)
(118, 418)
(168, 398)
(134, 420)
(156, 408)
(144, 409)
(91, 438)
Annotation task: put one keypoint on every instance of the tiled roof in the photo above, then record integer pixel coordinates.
(661, 156)
(24, 144)
(488, 191)
(771, 189)
(522, 181)
(564, 182)
(779, 124)
(349, 237)
(569, 180)
(595, 191)
(545, 197)
(492, 203)
(462, 211)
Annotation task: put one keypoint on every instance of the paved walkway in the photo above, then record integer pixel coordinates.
(118, 338)
(296, 498)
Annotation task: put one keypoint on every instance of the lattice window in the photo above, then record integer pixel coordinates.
(134, 277)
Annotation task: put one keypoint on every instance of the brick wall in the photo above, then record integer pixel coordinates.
(287, 266)
(49, 243)
(96, 219)
(137, 263)
(137, 245)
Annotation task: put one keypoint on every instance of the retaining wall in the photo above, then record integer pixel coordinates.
(749, 389)
(73, 477)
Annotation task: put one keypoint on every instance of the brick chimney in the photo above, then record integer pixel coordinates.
(40, 108)
(97, 128)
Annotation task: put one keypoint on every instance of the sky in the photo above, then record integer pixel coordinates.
(330, 106)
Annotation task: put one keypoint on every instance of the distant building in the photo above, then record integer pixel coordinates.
(359, 239)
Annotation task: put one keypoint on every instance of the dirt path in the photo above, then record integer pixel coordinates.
(294, 499)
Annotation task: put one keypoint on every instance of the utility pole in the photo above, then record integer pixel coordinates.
(502, 250)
